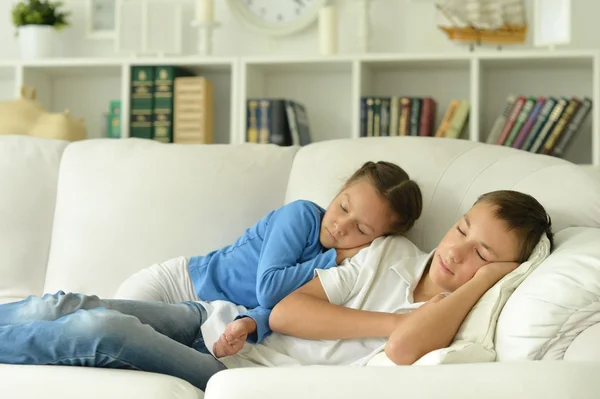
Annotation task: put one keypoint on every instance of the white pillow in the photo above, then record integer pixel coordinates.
(556, 303)
(474, 341)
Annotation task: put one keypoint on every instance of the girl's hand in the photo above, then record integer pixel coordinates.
(346, 253)
(233, 338)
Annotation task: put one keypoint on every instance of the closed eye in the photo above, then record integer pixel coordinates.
(460, 231)
(479, 254)
(342, 207)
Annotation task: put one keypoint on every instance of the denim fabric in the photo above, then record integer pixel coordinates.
(81, 330)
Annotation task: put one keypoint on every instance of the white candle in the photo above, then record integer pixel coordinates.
(205, 10)
(327, 30)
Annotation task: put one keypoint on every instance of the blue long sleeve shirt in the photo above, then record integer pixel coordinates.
(270, 260)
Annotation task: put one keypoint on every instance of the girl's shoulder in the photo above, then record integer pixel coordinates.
(304, 211)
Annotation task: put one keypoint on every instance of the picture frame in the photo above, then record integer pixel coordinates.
(101, 18)
(551, 23)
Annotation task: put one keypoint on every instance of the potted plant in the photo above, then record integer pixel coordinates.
(37, 22)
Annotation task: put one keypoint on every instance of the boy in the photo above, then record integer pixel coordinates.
(346, 314)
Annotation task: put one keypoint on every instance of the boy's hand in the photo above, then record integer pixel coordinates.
(345, 253)
(493, 272)
(233, 338)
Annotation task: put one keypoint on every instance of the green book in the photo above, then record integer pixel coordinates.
(114, 119)
(164, 82)
(141, 109)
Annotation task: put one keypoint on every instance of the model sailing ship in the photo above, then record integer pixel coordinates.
(484, 21)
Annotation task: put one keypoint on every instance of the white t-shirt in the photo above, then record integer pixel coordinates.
(379, 278)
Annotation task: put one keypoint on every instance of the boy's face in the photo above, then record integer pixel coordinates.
(477, 239)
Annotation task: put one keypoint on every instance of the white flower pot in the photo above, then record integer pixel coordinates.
(37, 41)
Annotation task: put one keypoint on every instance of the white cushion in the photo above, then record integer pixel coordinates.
(28, 178)
(557, 302)
(66, 382)
(452, 174)
(125, 204)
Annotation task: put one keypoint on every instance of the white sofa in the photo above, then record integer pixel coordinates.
(84, 216)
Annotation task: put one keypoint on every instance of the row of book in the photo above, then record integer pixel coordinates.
(277, 121)
(171, 104)
(411, 116)
(545, 125)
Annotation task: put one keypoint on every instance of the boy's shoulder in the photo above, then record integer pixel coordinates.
(392, 251)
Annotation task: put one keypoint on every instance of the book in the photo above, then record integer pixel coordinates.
(193, 110)
(142, 102)
(164, 80)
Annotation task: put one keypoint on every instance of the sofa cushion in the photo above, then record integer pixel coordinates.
(125, 204)
(452, 174)
(28, 177)
(67, 382)
(558, 301)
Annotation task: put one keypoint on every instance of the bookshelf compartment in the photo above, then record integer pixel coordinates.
(442, 80)
(221, 76)
(62, 87)
(324, 88)
(8, 89)
(535, 77)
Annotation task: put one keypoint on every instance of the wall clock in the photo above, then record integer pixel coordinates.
(276, 17)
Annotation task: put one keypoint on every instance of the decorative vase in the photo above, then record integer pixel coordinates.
(37, 41)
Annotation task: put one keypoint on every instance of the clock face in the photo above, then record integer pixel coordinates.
(276, 17)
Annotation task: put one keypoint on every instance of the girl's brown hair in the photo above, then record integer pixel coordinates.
(393, 184)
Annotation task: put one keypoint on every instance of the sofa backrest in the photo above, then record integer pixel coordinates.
(28, 175)
(123, 205)
(452, 174)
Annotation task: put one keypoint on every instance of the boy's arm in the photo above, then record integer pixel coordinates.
(435, 325)
(307, 313)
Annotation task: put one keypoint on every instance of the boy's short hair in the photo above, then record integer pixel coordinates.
(523, 214)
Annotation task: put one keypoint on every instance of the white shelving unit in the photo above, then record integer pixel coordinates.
(331, 87)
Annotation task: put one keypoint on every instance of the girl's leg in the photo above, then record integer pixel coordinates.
(167, 281)
(180, 322)
(103, 337)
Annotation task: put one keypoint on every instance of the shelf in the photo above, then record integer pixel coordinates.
(534, 77)
(442, 81)
(327, 106)
(331, 87)
(7, 83)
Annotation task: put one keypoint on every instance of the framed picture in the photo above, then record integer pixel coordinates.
(101, 19)
(552, 22)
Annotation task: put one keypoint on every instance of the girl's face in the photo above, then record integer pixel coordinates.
(355, 217)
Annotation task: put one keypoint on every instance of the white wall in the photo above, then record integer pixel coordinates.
(398, 26)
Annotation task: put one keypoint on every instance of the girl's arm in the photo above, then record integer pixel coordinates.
(307, 313)
(433, 326)
(290, 230)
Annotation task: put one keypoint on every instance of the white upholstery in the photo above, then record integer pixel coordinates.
(527, 380)
(452, 174)
(28, 174)
(556, 303)
(121, 205)
(126, 204)
(28, 382)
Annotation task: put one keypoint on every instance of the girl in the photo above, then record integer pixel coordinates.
(160, 331)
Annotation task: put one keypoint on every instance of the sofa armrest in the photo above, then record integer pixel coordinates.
(540, 379)
(586, 346)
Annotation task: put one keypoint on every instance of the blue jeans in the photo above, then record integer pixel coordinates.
(80, 330)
